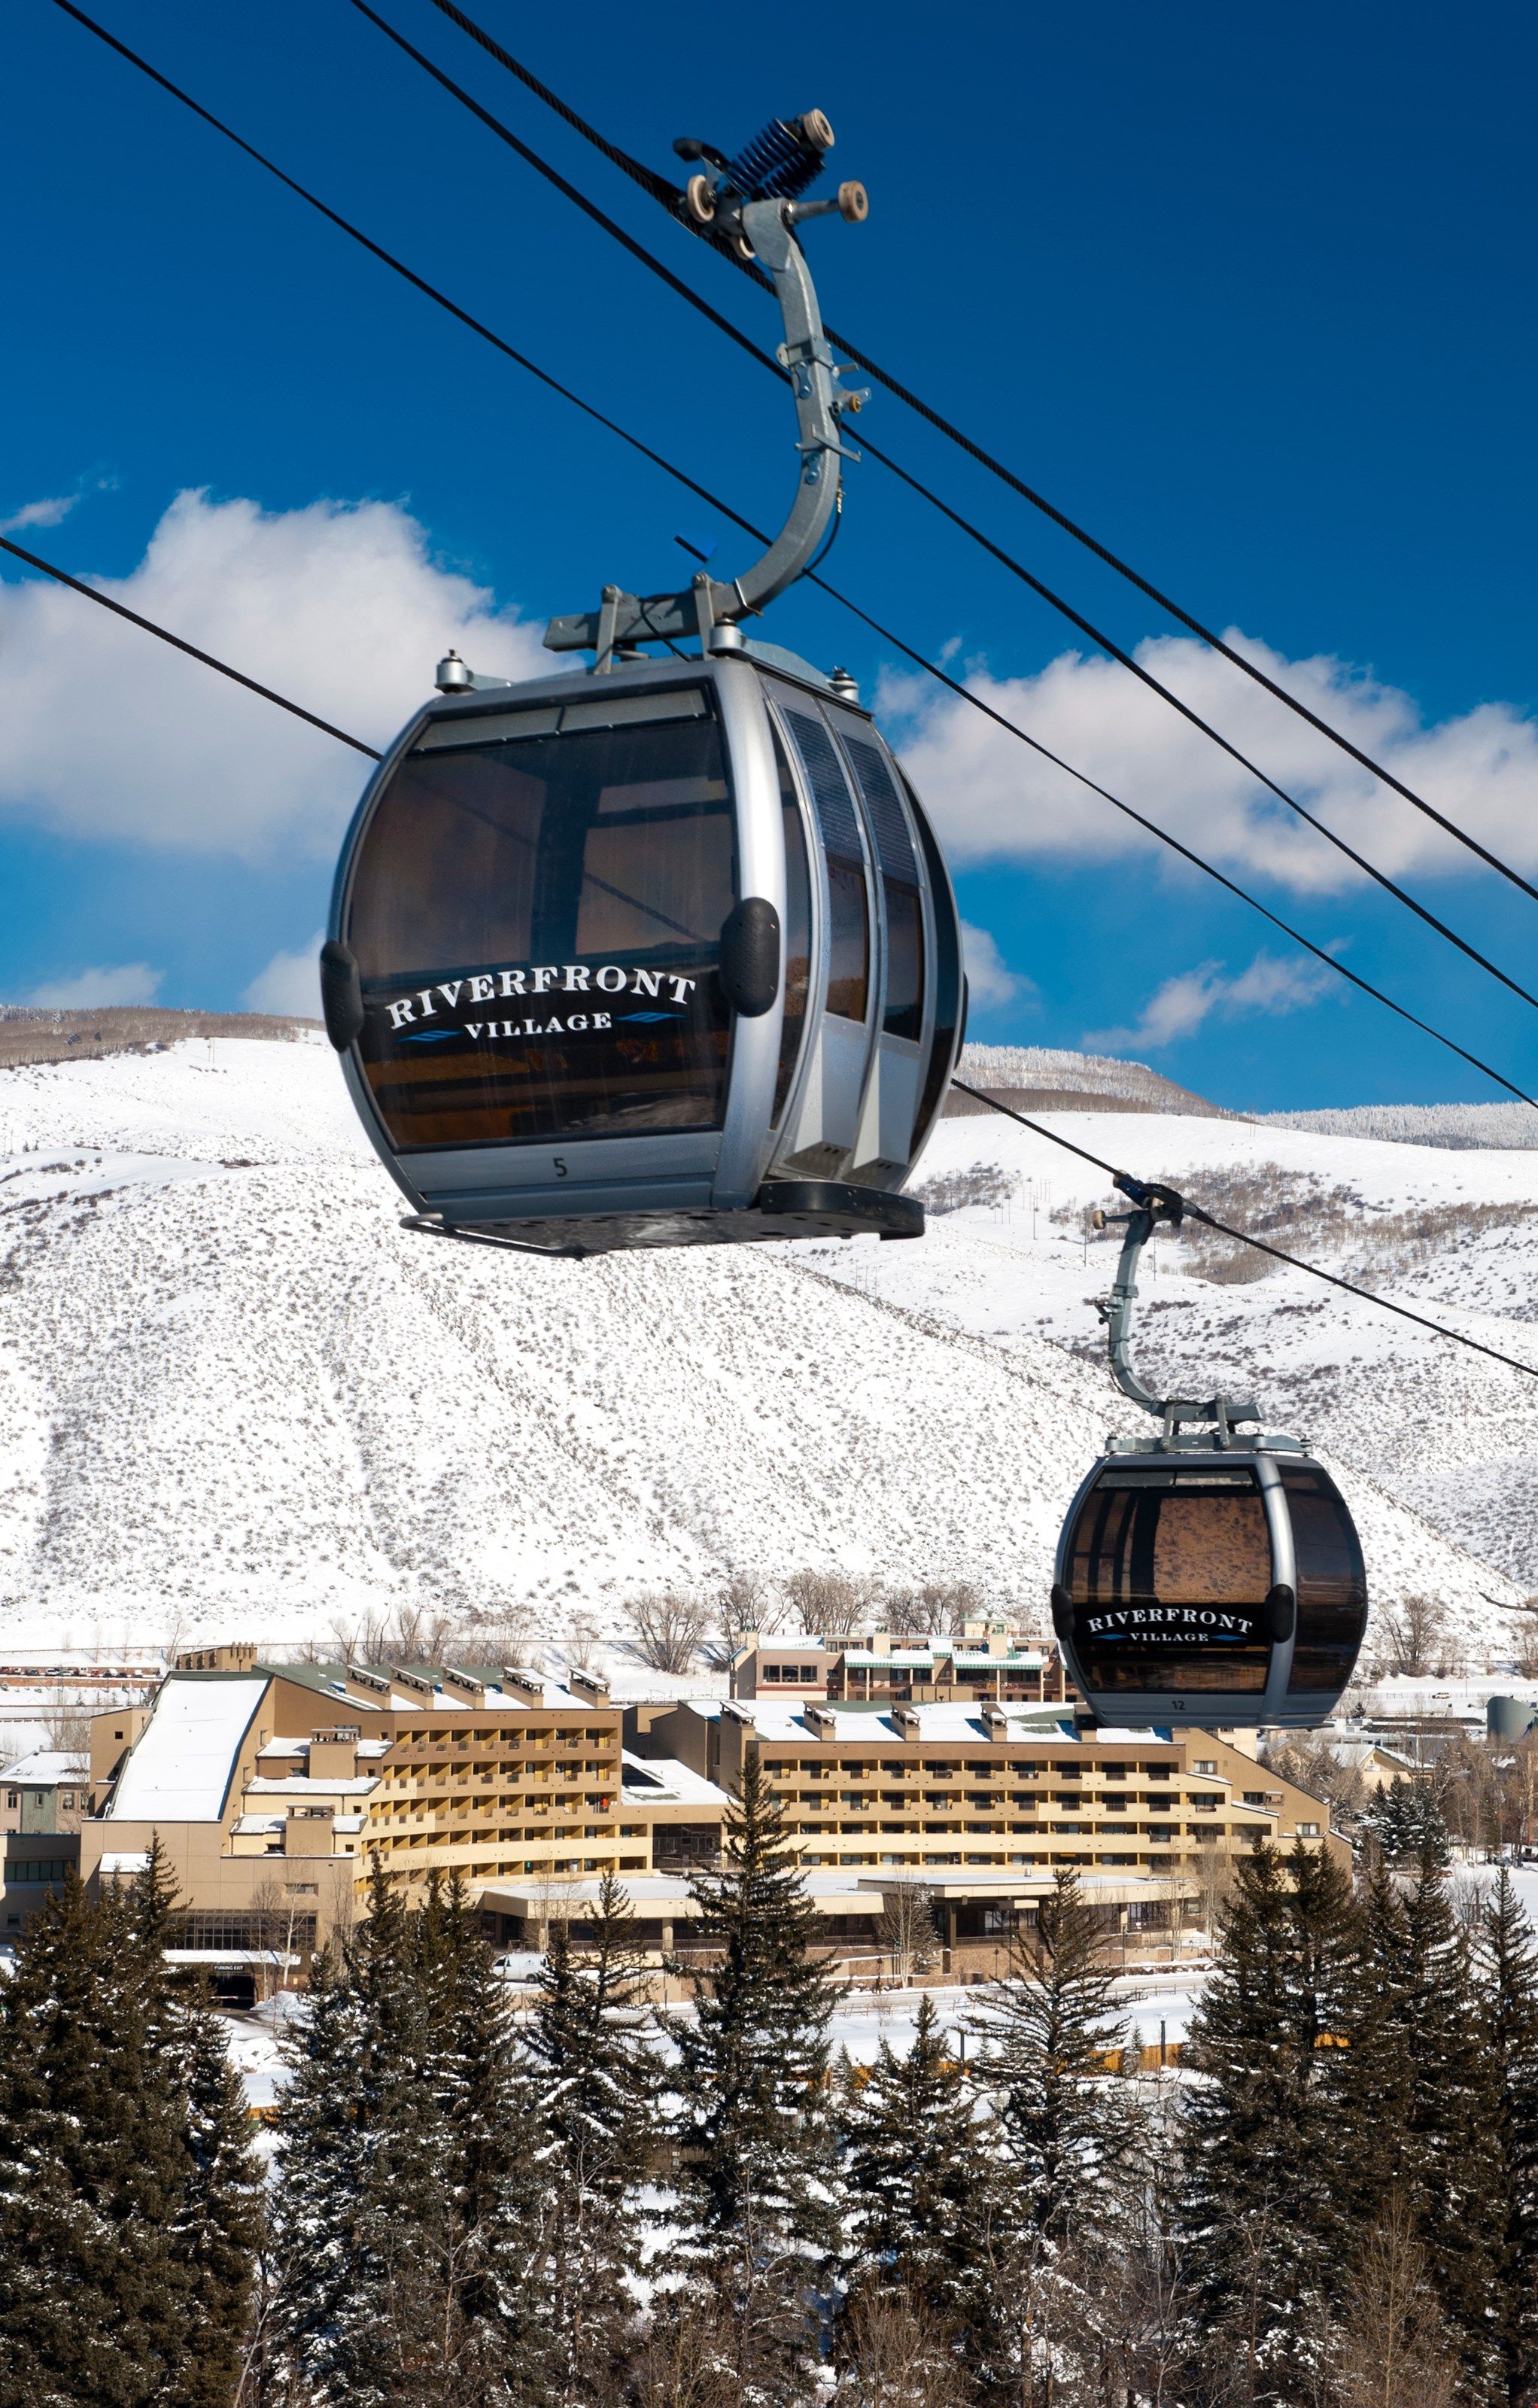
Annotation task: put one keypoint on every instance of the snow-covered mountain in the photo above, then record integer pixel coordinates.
(240, 1399)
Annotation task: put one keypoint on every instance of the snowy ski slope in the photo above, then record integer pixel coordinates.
(240, 1400)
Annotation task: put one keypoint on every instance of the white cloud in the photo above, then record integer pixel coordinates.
(989, 978)
(36, 514)
(994, 799)
(119, 982)
(291, 983)
(105, 733)
(1183, 1003)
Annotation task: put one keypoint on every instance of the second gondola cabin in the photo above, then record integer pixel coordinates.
(664, 955)
(1211, 1585)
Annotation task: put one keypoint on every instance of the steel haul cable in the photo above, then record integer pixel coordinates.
(554, 384)
(661, 190)
(1028, 577)
(1196, 1210)
(149, 626)
(1210, 1221)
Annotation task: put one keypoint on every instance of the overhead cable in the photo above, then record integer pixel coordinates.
(703, 492)
(671, 197)
(1199, 1212)
(239, 676)
(1028, 577)
(1196, 1211)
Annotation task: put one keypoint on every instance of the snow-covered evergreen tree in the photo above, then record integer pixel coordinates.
(91, 2307)
(1066, 2127)
(917, 2176)
(1406, 1822)
(1423, 2102)
(497, 2294)
(753, 2128)
(127, 2204)
(409, 2255)
(1509, 1980)
(596, 2079)
(217, 2227)
(361, 2207)
(1270, 2158)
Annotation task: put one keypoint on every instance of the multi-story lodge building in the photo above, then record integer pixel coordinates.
(929, 1788)
(987, 1663)
(277, 1789)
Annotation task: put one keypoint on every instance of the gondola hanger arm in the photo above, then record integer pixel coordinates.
(1150, 1205)
(740, 202)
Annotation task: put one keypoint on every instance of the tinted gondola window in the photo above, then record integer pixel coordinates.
(797, 928)
(902, 1014)
(849, 945)
(947, 983)
(1331, 1581)
(1167, 1573)
(538, 921)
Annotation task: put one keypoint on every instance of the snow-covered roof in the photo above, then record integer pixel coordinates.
(180, 1766)
(250, 1826)
(127, 1861)
(662, 1781)
(297, 1785)
(786, 1718)
(48, 1768)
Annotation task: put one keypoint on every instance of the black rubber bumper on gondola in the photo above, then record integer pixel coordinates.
(784, 1208)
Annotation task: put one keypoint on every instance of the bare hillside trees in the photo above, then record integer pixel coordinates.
(666, 1628)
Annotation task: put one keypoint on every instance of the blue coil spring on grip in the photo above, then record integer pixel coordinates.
(776, 166)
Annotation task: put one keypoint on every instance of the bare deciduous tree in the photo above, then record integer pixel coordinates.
(833, 1603)
(893, 2357)
(583, 1641)
(1394, 2346)
(946, 1607)
(740, 1606)
(666, 1626)
(908, 1930)
(1414, 1636)
(66, 1720)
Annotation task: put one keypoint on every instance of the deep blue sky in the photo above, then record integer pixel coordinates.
(1248, 292)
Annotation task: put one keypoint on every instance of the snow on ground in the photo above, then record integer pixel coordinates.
(1436, 1447)
(242, 1400)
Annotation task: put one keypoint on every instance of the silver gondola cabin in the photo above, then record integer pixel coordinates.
(665, 953)
(1204, 1577)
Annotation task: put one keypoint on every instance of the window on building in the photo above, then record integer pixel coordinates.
(1308, 1830)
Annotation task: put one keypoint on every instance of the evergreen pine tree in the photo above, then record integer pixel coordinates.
(496, 2292)
(361, 2212)
(753, 2128)
(217, 2228)
(1423, 2102)
(1270, 2148)
(94, 2307)
(1509, 1971)
(1406, 1822)
(596, 2079)
(1067, 2128)
(917, 2177)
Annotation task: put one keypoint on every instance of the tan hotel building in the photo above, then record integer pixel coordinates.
(943, 1789)
(274, 1787)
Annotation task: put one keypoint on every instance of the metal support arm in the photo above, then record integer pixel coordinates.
(1152, 1205)
(626, 619)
